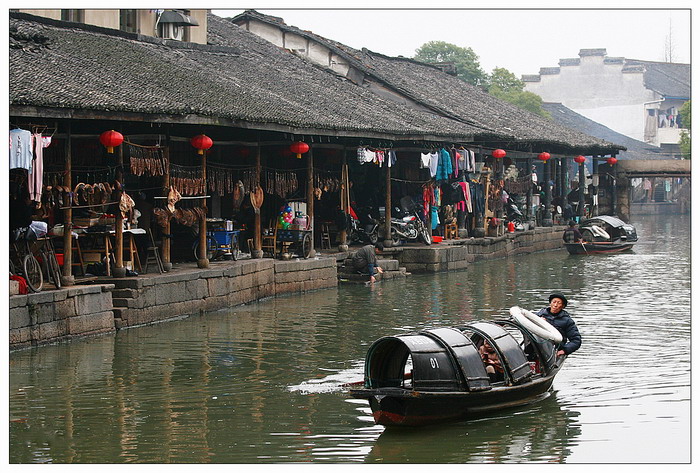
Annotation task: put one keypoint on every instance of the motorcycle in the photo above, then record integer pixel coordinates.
(407, 224)
(513, 214)
(366, 231)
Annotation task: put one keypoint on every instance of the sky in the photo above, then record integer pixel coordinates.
(521, 40)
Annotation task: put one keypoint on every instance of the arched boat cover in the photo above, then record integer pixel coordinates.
(465, 353)
(443, 360)
(516, 363)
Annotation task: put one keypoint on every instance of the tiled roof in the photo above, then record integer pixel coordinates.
(635, 149)
(245, 81)
(452, 97)
(665, 78)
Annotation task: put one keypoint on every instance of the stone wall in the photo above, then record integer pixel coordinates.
(461, 253)
(139, 301)
(51, 316)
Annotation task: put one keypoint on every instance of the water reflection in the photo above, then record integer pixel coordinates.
(541, 432)
(263, 383)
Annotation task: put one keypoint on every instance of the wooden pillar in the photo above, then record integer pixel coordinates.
(613, 191)
(167, 236)
(257, 230)
(547, 219)
(310, 195)
(344, 200)
(68, 279)
(203, 261)
(528, 212)
(119, 270)
(581, 187)
(387, 205)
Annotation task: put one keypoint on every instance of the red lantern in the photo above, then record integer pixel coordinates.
(544, 156)
(111, 139)
(580, 159)
(498, 153)
(299, 148)
(611, 160)
(202, 143)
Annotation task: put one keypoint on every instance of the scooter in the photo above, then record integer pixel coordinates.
(513, 214)
(367, 232)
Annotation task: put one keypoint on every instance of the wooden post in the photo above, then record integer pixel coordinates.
(203, 261)
(528, 212)
(387, 205)
(581, 187)
(344, 201)
(547, 219)
(119, 270)
(257, 231)
(166, 241)
(68, 279)
(310, 195)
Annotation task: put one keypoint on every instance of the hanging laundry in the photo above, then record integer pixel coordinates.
(391, 158)
(444, 168)
(21, 155)
(35, 177)
(425, 160)
(434, 160)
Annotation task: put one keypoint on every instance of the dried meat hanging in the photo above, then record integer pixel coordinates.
(149, 160)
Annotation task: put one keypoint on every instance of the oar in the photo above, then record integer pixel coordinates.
(584, 247)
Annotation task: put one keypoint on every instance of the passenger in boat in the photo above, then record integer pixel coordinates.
(562, 321)
(491, 361)
(365, 260)
(572, 234)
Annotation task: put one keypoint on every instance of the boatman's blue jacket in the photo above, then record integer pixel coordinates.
(571, 339)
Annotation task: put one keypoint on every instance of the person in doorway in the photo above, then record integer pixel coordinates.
(365, 261)
(572, 233)
(562, 321)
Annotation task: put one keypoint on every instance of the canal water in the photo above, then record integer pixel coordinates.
(263, 383)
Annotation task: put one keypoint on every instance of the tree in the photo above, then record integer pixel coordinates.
(684, 141)
(504, 85)
(465, 60)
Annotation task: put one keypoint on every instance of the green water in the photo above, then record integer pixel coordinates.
(262, 383)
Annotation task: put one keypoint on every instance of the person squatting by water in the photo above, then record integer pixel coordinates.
(365, 260)
(562, 321)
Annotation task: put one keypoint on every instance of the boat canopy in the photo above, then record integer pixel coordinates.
(443, 359)
(512, 355)
(609, 219)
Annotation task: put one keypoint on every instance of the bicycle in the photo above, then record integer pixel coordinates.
(22, 260)
(46, 255)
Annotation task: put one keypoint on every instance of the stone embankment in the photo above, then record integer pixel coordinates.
(116, 303)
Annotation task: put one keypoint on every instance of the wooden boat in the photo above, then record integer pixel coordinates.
(597, 247)
(438, 375)
(603, 234)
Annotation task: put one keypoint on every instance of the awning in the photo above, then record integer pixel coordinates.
(177, 18)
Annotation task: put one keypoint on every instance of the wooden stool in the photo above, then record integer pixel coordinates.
(76, 252)
(325, 236)
(451, 232)
(153, 254)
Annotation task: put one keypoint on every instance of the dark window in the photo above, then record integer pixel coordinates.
(77, 16)
(127, 21)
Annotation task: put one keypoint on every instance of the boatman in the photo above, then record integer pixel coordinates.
(572, 234)
(562, 321)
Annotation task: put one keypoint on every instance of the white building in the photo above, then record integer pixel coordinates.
(640, 99)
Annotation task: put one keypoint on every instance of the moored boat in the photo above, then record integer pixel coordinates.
(439, 375)
(603, 234)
